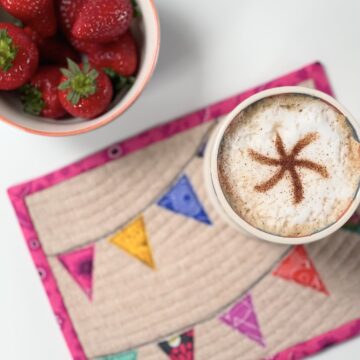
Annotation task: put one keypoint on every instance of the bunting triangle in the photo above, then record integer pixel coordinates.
(242, 317)
(134, 240)
(353, 224)
(179, 347)
(79, 264)
(298, 267)
(201, 150)
(130, 355)
(181, 199)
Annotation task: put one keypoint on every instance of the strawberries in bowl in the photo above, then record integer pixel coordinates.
(102, 21)
(40, 96)
(19, 57)
(84, 91)
(92, 68)
(120, 55)
(39, 14)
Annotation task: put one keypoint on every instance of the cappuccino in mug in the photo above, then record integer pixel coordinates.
(289, 164)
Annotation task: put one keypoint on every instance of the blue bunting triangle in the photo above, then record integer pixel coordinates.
(181, 199)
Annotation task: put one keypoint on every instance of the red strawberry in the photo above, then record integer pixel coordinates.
(56, 51)
(40, 96)
(46, 24)
(102, 21)
(83, 45)
(67, 12)
(84, 92)
(39, 14)
(33, 35)
(120, 56)
(19, 57)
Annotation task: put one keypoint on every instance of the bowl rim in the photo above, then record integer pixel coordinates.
(116, 113)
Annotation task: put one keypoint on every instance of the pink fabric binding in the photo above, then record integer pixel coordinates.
(18, 194)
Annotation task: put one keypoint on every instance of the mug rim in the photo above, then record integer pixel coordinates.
(122, 107)
(224, 205)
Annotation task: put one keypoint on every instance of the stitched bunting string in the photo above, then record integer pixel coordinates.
(298, 267)
(181, 199)
(79, 264)
(242, 317)
(133, 239)
(179, 347)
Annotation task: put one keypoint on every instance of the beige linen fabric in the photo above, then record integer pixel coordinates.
(201, 270)
(288, 313)
(94, 203)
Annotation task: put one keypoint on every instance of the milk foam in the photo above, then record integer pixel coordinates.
(291, 117)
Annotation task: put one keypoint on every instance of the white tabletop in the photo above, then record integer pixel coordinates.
(207, 54)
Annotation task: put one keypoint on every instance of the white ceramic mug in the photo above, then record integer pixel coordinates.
(212, 178)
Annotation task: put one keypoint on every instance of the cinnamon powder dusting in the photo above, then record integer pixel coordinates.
(289, 163)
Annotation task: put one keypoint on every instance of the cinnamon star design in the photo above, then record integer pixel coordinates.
(289, 163)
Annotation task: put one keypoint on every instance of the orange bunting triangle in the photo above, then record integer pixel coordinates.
(134, 240)
(298, 267)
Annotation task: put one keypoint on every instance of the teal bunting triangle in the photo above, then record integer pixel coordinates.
(130, 355)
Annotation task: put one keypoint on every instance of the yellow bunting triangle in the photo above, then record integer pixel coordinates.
(134, 240)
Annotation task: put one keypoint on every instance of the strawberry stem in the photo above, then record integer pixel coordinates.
(137, 12)
(119, 82)
(81, 83)
(7, 50)
(32, 100)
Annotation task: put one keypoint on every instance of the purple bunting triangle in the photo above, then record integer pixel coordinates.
(181, 199)
(79, 264)
(242, 317)
(201, 150)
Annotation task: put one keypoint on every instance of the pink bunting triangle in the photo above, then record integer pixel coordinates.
(79, 264)
(242, 317)
(298, 267)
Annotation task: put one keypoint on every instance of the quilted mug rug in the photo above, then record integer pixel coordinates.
(137, 264)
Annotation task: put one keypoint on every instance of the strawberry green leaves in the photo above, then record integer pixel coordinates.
(119, 82)
(31, 99)
(84, 91)
(137, 12)
(81, 82)
(8, 50)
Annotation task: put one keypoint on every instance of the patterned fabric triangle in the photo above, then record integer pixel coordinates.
(79, 264)
(353, 224)
(130, 355)
(179, 347)
(181, 199)
(134, 240)
(298, 267)
(242, 317)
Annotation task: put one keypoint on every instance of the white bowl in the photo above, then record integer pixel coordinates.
(147, 32)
